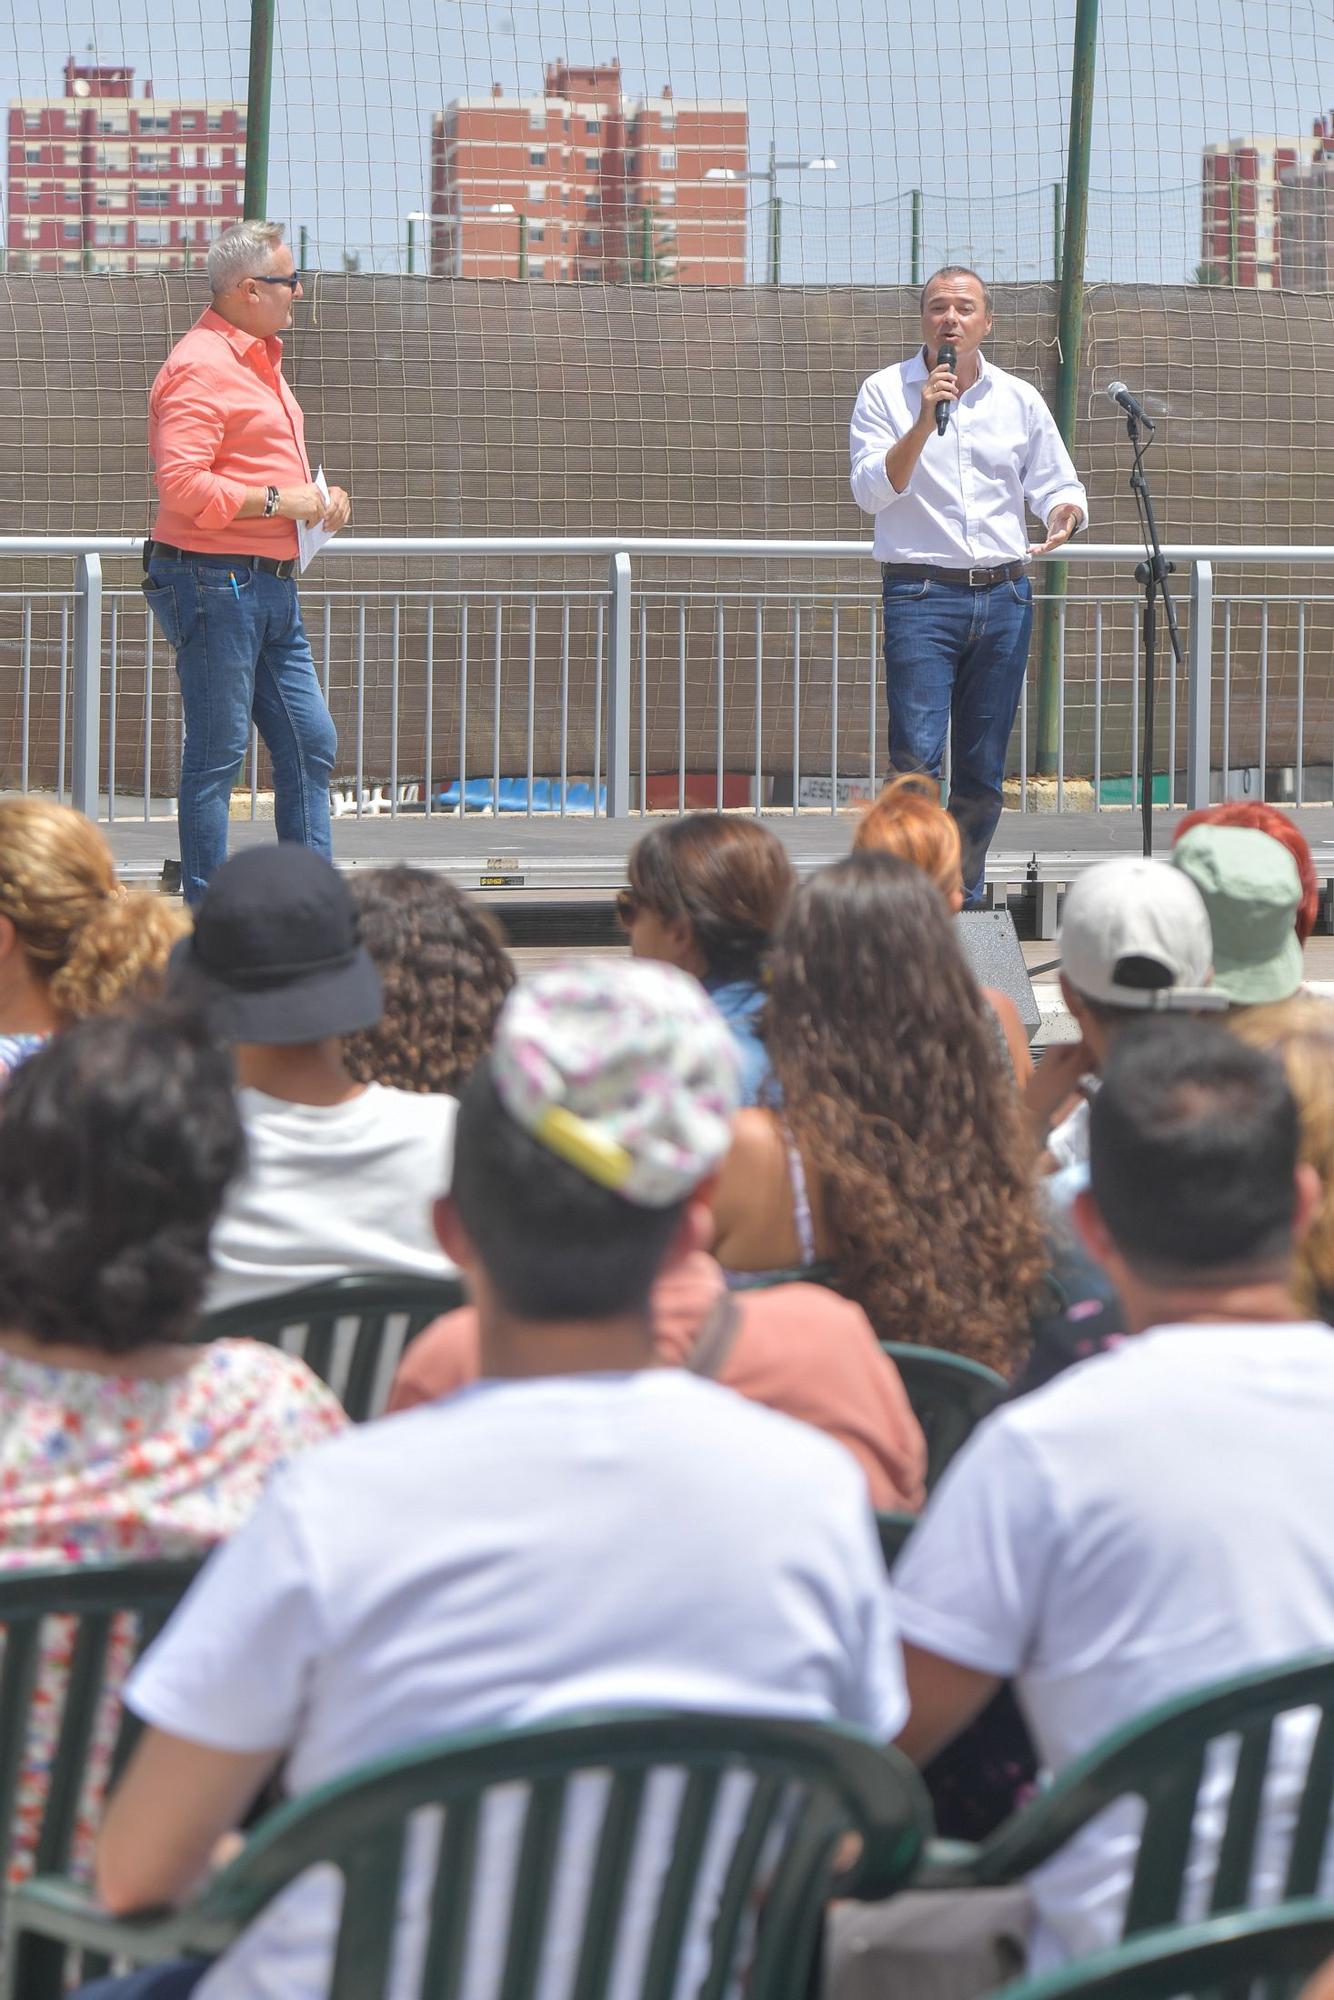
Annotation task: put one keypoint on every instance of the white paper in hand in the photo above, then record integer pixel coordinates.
(311, 536)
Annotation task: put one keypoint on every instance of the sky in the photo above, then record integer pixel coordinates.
(964, 99)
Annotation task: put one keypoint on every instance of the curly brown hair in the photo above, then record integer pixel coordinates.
(120, 955)
(895, 1095)
(445, 973)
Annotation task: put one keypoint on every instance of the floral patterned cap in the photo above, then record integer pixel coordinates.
(623, 1068)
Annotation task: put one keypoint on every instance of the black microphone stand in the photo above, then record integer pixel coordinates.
(1153, 574)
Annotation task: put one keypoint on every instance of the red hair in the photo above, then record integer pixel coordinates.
(1262, 818)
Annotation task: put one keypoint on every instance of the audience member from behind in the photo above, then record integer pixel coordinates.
(1300, 1032)
(1253, 893)
(901, 1155)
(445, 974)
(1134, 942)
(587, 1529)
(119, 1438)
(908, 820)
(340, 1175)
(707, 893)
(1280, 826)
(1144, 1524)
(56, 873)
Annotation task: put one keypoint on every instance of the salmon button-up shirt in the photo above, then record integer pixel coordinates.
(222, 420)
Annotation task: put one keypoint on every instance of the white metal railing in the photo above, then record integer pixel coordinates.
(1229, 655)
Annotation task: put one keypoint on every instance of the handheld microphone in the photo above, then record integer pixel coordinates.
(1123, 399)
(946, 357)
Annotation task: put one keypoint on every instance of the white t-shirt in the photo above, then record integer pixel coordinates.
(514, 1552)
(1155, 1519)
(331, 1188)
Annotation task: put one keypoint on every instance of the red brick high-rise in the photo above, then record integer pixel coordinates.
(586, 184)
(1243, 226)
(107, 179)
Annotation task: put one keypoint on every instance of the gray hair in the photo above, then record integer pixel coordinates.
(243, 251)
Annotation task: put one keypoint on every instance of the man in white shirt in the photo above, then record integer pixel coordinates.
(1156, 1518)
(580, 1529)
(952, 541)
(340, 1175)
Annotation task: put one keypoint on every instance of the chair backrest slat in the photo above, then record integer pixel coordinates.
(620, 1822)
(18, 1682)
(1164, 1847)
(949, 1394)
(1236, 1856)
(1310, 1837)
(451, 1902)
(762, 1814)
(372, 1871)
(698, 1801)
(532, 1887)
(84, 1686)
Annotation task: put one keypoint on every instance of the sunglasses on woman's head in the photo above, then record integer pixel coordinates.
(628, 906)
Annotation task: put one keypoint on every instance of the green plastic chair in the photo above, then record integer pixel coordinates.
(949, 1394)
(1251, 1955)
(893, 1530)
(813, 1784)
(1161, 1759)
(350, 1331)
(94, 1597)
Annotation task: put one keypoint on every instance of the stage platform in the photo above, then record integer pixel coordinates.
(576, 861)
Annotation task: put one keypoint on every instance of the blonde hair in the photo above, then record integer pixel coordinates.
(908, 820)
(1300, 1032)
(56, 873)
(120, 954)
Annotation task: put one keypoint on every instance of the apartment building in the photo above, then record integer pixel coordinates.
(1243, 203)
(110, 178)
(587, 185)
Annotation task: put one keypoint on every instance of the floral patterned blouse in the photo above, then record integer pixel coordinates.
(15, 1049)
(116, 1468)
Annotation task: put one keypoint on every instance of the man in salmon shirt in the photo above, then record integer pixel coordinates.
(227, 441)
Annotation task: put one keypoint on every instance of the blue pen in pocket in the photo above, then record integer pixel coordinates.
(236, 588)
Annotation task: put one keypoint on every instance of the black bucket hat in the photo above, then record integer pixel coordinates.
(276, 953)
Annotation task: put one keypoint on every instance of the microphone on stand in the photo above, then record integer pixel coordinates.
(946, 357)
(1123, 399)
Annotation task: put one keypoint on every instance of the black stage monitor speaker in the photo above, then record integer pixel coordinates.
(991, 946)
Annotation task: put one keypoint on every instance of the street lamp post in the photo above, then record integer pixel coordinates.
(770, 175)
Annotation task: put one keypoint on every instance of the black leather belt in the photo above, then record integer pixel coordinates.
(961, 579)
(284, 569)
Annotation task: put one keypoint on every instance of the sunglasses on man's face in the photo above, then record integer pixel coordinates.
(291, 283)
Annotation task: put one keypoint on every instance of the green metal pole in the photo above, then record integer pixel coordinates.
(303, 264)
(1233, 222)
(523, 246)
(915, 254)
(775, 240)
(412, 246)
(1057, 228)
(1069, 338)
(259, 97)
(646, 246)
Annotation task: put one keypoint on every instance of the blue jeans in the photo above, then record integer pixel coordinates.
(242, 651)
(173, 1981)
(955, 659)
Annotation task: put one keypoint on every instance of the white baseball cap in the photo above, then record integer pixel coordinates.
(1130, 938)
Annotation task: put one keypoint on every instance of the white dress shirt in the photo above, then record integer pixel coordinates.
(963, 507)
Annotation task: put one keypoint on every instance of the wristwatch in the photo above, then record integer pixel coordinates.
(270, 502)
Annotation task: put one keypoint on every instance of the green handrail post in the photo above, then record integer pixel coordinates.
(523, 246)
(1057, 228)
(259, 97)
(1069, 338)
(915, 255)
(775, 239)
(412, 247)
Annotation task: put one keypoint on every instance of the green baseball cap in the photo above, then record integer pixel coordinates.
(1251, 890)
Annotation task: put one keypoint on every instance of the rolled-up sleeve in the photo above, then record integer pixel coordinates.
(873, 433)
(188, 431)
(1050, 479)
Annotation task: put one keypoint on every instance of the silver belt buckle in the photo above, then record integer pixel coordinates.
(977, 578)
